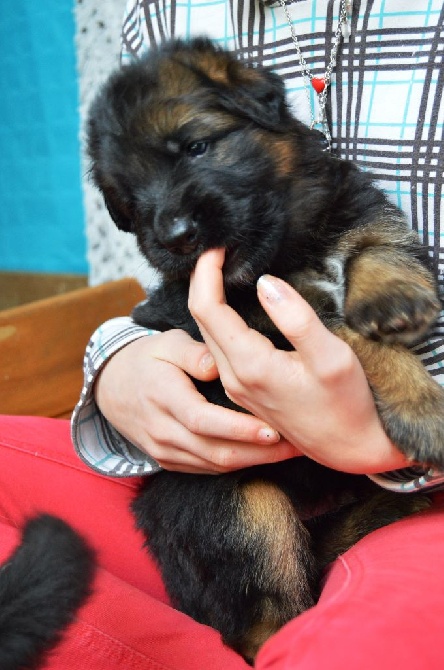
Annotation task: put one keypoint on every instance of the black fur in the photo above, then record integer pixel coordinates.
(191, 151)
(42, 585)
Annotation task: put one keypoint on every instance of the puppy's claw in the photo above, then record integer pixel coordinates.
(401, 313)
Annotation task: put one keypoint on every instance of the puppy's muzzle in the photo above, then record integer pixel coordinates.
(180, 236)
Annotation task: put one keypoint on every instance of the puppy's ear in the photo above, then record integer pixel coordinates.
(119, 209)
(101, 130)
(258, 94)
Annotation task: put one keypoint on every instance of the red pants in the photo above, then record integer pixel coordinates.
(381, 607)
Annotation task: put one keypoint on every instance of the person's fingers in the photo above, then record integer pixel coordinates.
(175, 351)
(178, 348)
(209, 264)
(201, 417)
(214, 456)
(318, 348)
(228, 337)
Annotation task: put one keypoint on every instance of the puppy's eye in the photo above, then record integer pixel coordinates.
(196, 149)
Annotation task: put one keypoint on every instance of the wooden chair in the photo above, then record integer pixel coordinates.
(42, 346)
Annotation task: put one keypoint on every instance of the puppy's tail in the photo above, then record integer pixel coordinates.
(41, 587)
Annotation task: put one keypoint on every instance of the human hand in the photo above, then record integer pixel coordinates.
(144, 392)
(317, 396)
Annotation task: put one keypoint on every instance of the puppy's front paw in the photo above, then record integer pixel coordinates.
(397, 312)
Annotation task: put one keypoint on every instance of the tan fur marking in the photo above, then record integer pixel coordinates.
(166, 119)
(396, 374)
(260, 632)
(352, 524)
(268, 514)
(215, 68)
(376, 269)
(270, 524)
(176, 79)
(390, 230)
(283, 155)
(280, 150)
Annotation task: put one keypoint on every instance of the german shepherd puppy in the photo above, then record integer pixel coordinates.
(193, 150)
(42, 585)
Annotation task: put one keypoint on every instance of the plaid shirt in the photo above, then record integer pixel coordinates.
(387, 110)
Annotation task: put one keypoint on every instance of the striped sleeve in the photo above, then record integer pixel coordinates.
(431, 351)
(96, 441)
(410, 480)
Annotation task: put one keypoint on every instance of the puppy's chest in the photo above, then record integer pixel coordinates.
(323, 288)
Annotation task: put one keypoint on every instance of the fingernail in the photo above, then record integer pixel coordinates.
(271, 288)
(206, 362)
(269, 435)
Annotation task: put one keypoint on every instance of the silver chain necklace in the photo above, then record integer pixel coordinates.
(320, 84)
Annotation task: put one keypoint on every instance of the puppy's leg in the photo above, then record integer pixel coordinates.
(391, 300)
(281, 574)
(409, 401)
(333, 535)
(232, 552)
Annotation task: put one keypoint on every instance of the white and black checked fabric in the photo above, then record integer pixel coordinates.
(386, 103)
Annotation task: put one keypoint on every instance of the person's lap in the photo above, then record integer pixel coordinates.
(127, 622)
(41, 472)
(380, 607)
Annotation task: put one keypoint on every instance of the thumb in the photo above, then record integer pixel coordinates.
(317, 347)
(180, 349)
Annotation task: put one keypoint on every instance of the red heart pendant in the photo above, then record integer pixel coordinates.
(318, 84)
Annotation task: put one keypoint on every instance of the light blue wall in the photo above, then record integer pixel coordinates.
(41, 213)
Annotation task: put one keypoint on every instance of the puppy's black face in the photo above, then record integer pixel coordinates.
(191, 152)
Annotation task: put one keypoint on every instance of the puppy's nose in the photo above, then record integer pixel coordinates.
(181, 236)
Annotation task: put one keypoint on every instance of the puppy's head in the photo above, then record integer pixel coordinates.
(190, 150)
